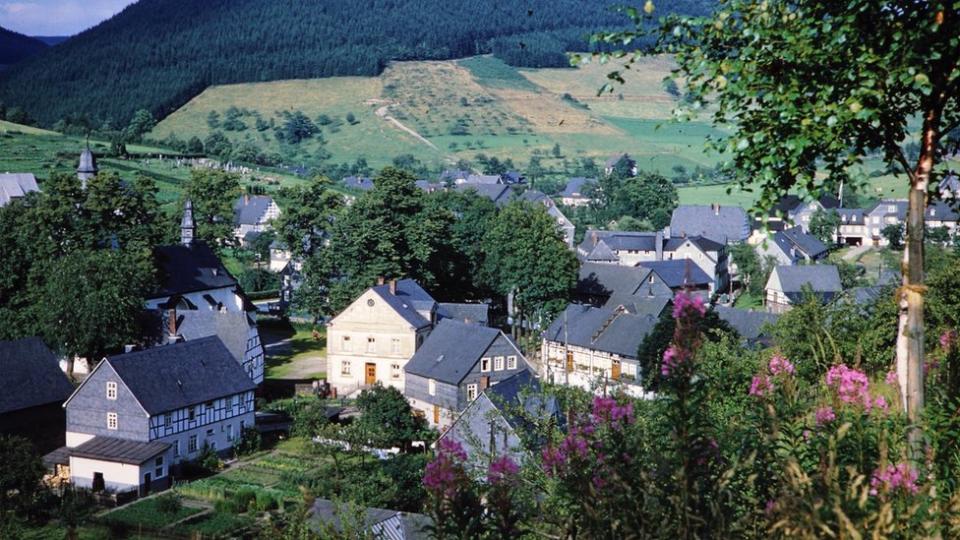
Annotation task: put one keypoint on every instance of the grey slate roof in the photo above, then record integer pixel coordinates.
(119, 450)
(719, 223)
(618, 241)
(31, 375)
(576, 186)
(824, 279)
(360, 183)
(601, 329)
(16, 185)
(451, 351)
(484, 179)
(942, 211)
(452, 175)
(185, 269)
(409, 298)
(180, 375)
(678, 272)
(702, 242)
(231, 327)
(250, 209)
(474, 313)
(514, 177)
(896, 208)
(88, 162)
(795, 238)
(500, 194)
(747, 322)
(851, 216)
(622, 284)
(379, 522)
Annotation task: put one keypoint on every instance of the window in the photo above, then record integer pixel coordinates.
(208, 405)
(111, 420)
(243, 425)
(193, 413)
(192, 444)
(498, 363)
(111, 390)
(345, 344)
(176, 447)
(371, 345)
(471, 392)
(432, 387)
(395, 345)
(158, 464)
(345, 367)
(167, 420)
(394, 371)
(484, 364)
(235, 401)
(229, 432)
(511, 362)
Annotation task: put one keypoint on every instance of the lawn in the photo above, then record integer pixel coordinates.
(305, 343)
(147, 514)
(748, 300)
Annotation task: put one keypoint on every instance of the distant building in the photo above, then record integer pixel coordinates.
(359, 183)
(87, 168)
(792, 246)
(639, 290)
(456, 363)
(853, 229)
(514, 177)
(792, 210)
(253, 214)
(484, 179)
(500, 194)
(787, 285)
(943, 214)
(593, 348)
(566, 227)
(32, 390)
(622, 161)
(475, 313)
(454, 176)
(750, 325)
(722, 224)
(374, 522)
(15, 186)
(575, 192)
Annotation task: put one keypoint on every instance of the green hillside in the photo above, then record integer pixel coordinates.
(16, 47)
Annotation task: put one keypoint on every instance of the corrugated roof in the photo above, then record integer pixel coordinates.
(601, 329)
(119, 450)
(185, 269)
(180, 375)
(451, 351)
(31, 375)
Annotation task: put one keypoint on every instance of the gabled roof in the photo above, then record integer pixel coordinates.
(30, 375)
(795, 238)
(498, 193)
(88, 162)
(576, 186)
(619, 240)
(942, 211)
(452, 175)
(949, 186)
(484, 179)
(16, 185)
(408, 300)
(628, 283)
(451, 351)
(472, 313)
(181, 375)
(608, 330)
(119, 450)
(719, 223)
(250, 209)
(851, 216)
(748, 323)
(896, 208)
(232, 327)
(678, 272)
(360, 183)
(185, 269)
(703, 243)
(791, 203)
(823, 279)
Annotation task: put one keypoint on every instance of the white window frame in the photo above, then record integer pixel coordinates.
(485, 364)
(512, 361)
(193, 444)
(471, 392)
(344, 367)
(498, 363)
(113, 421)
(111, 390)
(432, 387)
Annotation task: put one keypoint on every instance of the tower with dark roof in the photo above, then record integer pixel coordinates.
(88, 166)
(187, 226)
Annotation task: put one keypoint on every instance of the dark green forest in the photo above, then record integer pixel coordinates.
(157, 54)
(15, 47)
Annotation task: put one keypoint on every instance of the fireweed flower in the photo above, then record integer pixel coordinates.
(825, 415)
(761, 386)
(892, 378)
(445, 473)
(686, 305)
(672, 358)
(948, 339)
(851, 385)
(779, 365)
(607, 409)
(901, 477)
(502, 470)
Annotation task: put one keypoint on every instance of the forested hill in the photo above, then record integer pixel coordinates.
(157, 54)
(15, 47)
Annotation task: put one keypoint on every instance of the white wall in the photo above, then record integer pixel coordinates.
(75, 439)
(230, 300)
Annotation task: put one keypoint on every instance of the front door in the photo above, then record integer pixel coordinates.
(98, 484)
(615, 370)
(146, 484)
(371, 374)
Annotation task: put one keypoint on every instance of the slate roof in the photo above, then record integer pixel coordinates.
(88, 162)
(618, 241)
(795, 238)
(790, 203)
(896, 208)
(601, 329)
(862, 296)
(851, 216)
(622, 284)
(942, 211)
(484, 179)
(678, 272)
(824, 279)
(452, 175)
(719, 223)
(16, 185)
(356, 182)
(429, 186)
(180, 375)
(232, 327)
(576, 186)
(949, 185)
(31, 375)
(119, 450)
(514, 177)
(185, 269)
(702, 242)
(451, 351)
(409, 298)
(474, 313)
(498, 193)
(381, 523)
(747, 322)
(250, 209)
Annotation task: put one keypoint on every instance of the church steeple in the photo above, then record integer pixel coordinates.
(187, 227)
(88, 166)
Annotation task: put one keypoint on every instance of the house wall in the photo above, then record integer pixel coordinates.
(346, 365)
(418, 394)
(775, 300)
(279, 259)
(226, 296)
(217, 434)
(253, 358)
(118, 476)
(591, 368)
(86, 411)
(209, 424)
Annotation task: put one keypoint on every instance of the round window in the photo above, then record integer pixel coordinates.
(370, 302)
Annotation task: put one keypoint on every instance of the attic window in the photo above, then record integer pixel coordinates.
(370, 302)
(511, 362)
(484, 364)
(111, 390)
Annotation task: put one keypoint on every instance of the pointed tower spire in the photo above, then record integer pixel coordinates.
(87, 168)
(187, 226)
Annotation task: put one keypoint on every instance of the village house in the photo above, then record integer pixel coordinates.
(721, 224)
(575, 192)
(788, 284)
(853, 226)
(32, 390)
(639, 290)
(453, 176)
(253, 214)
(943, 214)
(138, 415)
(790, 246)
(791, 210)
(514, 177)
(949, 186)
(87, 167)
(566, 227)
(623, 162)
(455, 364)
(15, 186)
(500, 194)
(751, 325)
(484, 179)
(503, 420)
(594, 348)
(359, 183)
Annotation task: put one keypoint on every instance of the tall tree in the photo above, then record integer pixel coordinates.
(308, 215)
(808, 85)
(213, 194)
(825, 224)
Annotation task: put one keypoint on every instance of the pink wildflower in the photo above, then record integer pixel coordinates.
(852, 385)
(895, 477)
(779, 365)
(892, 378)
(672, 358)
(761, 386)
(607, 408)
(686, 305)
(553, 460)
(880, 403)
(825, 415)
(444, 473)
(948, 339)
(503, 469)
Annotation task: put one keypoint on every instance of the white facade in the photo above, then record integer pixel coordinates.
(118, 477)
(589, 369)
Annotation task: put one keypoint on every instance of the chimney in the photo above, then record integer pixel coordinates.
(393, 287)
(659, 246)
(716, 209)
(172, 323)
(381, 280)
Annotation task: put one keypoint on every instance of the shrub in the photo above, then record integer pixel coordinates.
(243, 497)
(250, 442)
(266, 501)
(226, 506)
(168, 503)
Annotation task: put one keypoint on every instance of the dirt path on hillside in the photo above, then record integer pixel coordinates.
(384, 113)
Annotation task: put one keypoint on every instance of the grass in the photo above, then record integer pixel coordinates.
(146, 513)
(215, 525)
(749, 301)
(302, 346)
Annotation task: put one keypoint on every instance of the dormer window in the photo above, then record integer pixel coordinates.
(111, 390)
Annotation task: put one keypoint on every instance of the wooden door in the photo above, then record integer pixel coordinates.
(436, 414)
(569, 362)
(371, 374)
(615, 370)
